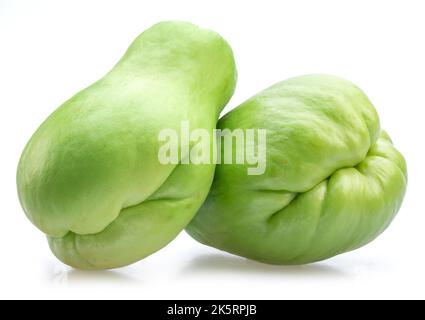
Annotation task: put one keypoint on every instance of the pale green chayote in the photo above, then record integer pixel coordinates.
(90, 177)
(333, 181)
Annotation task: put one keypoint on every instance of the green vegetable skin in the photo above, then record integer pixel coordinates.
(333, 180)
(90, 177)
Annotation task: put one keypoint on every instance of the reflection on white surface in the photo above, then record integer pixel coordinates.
(67, 276)
(224, 263)
(346, 266)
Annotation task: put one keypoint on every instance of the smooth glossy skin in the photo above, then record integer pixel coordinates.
(90, 177)
(333, 181)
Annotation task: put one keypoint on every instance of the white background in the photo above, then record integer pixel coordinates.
(50, 50)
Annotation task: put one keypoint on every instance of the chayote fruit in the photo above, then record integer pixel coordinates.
(90, 177)
(333, 180)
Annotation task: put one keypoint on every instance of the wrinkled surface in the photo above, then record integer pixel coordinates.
(90, 177)
(333, 180)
